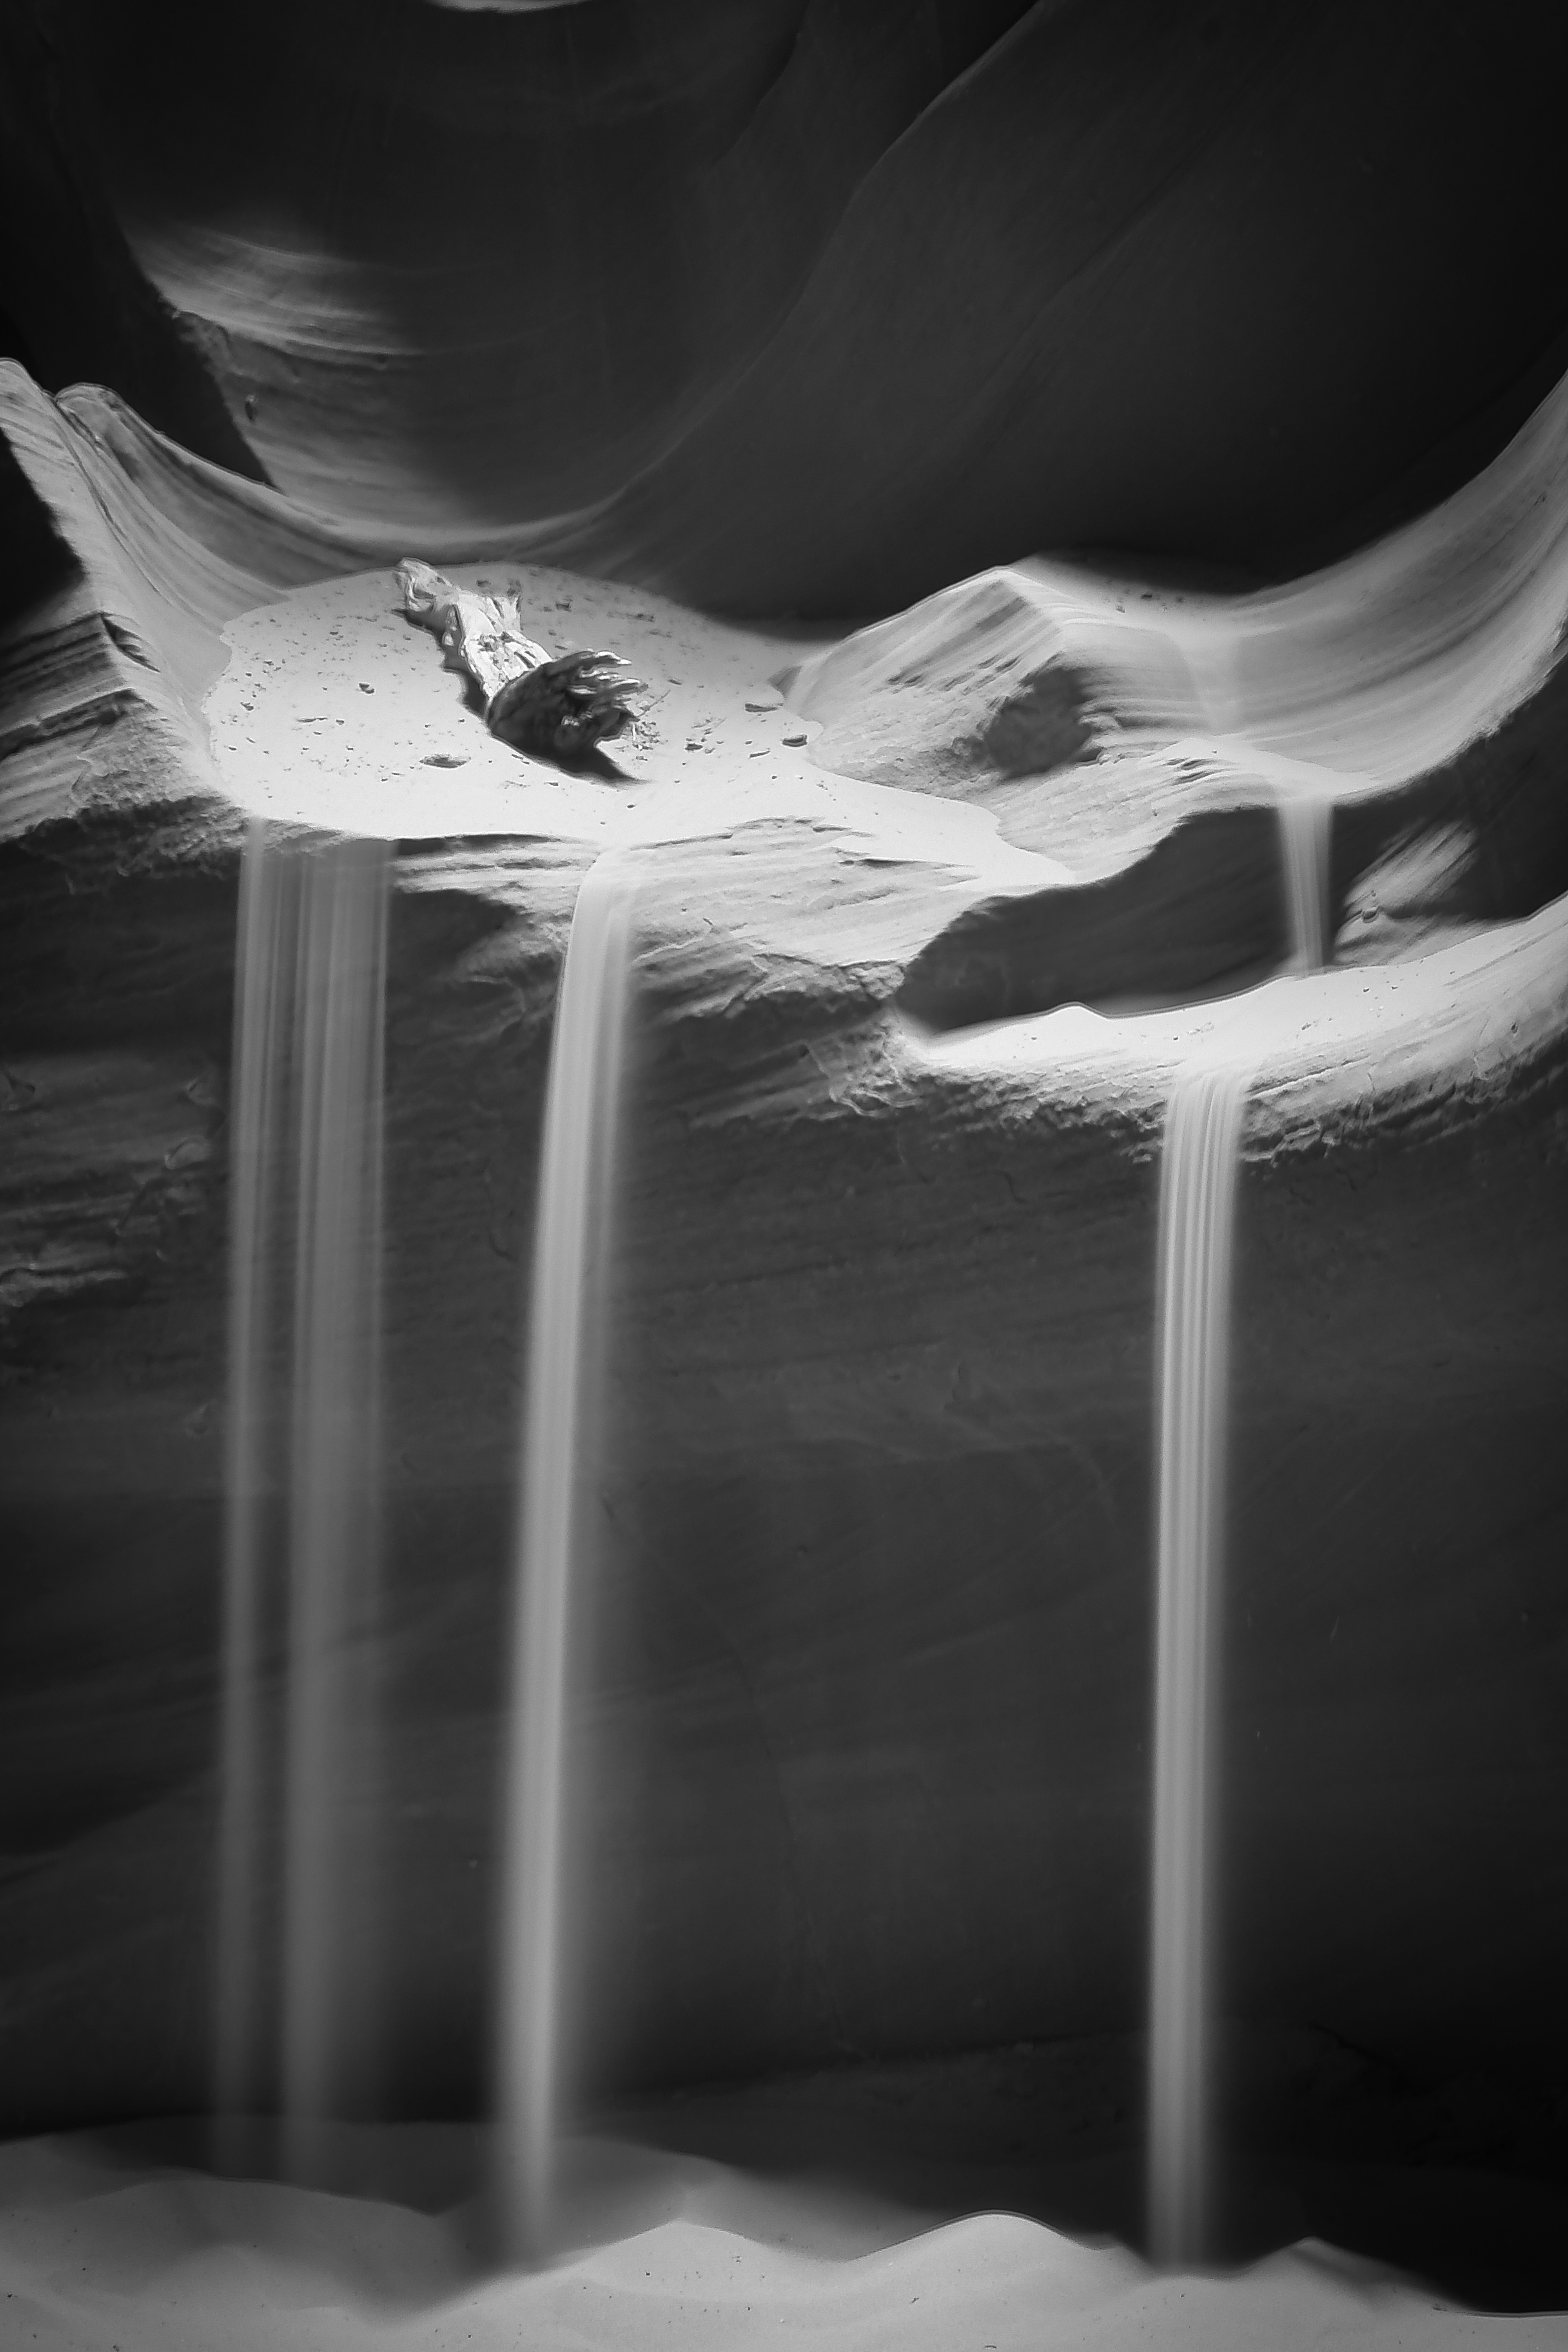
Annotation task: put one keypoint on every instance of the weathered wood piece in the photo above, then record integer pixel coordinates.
(560, 708)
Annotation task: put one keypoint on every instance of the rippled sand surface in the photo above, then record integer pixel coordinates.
(101, 2246)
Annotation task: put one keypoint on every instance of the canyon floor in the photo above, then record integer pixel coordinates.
(118, 2242)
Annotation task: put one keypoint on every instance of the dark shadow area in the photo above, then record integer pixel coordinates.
(1483, 839)
(106, 1696)
(1316, 243)
(1455, 458)
(539, 355)
(108, 952)
(38, 566)
(1220, 393)
(14, 345)
(1202, 914)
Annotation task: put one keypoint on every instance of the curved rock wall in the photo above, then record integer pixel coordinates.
(803, 305)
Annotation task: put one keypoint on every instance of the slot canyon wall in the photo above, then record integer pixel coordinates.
(803, 306)
(823, 314)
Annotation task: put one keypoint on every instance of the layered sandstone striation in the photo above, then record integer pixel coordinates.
(924, 933)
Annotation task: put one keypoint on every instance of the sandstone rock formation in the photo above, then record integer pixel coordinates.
(803, 305)
(862, 1754)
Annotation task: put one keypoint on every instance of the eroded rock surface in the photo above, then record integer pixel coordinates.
(861, 1760)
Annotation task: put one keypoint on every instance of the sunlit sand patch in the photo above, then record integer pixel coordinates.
(335, 712)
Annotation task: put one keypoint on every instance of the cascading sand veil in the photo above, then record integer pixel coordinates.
(302, 1466)
(329, 1787)
(263, 963)
(580, 1116)
(1305, 824)
(1197, 1194)
(1197, 1200)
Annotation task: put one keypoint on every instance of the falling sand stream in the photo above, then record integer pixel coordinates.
(303, 1485)
(1197, 1195)
(569, 1238)
(301, 1490)
(1305, 820)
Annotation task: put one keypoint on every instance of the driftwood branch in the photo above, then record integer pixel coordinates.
(562, 707)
